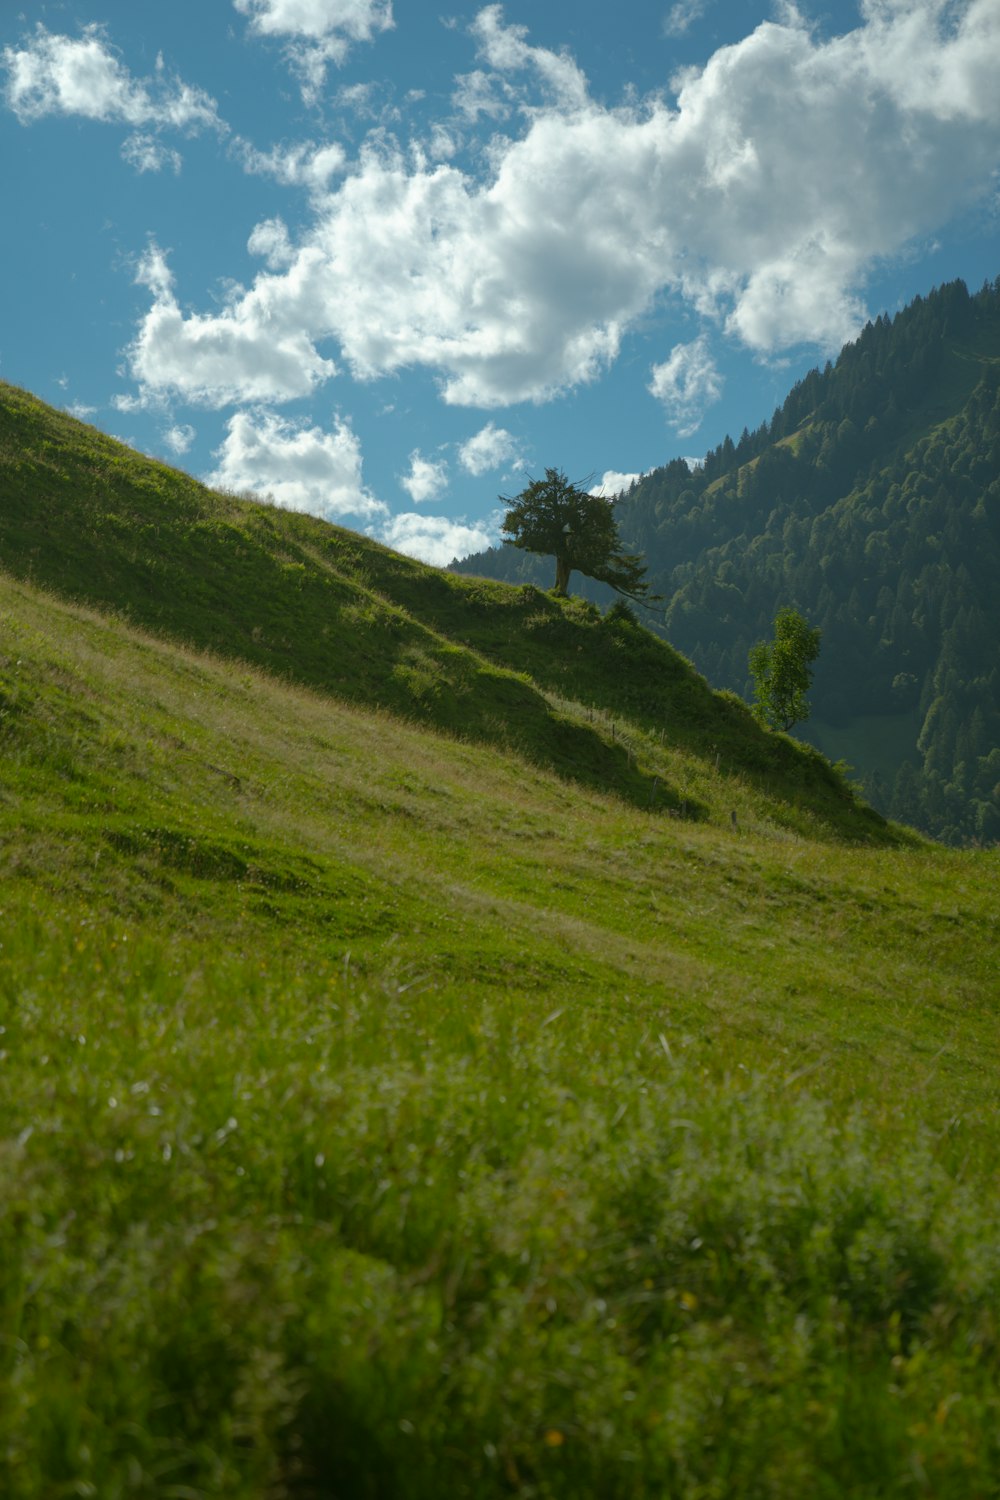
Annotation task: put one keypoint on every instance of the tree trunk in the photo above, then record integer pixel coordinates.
(563, 570)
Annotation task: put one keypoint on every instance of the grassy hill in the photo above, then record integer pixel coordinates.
(387, 1113)
(330, 609)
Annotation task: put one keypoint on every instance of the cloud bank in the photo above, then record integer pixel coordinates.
(785, 169)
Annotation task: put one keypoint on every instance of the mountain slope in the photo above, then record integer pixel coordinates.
(381, 1116)
(871, 502)
(601, 701)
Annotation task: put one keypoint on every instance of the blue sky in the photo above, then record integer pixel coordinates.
(382, 261)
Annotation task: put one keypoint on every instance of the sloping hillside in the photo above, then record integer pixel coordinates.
(871, 502)
(597, 699)
(391, 1112)
(381, 1116)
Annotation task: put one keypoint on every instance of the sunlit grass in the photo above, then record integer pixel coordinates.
(383, 1115)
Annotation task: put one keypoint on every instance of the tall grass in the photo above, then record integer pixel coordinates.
(271, 1230)
(383, 1116)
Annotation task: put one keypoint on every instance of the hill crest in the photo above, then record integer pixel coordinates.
(598, 699)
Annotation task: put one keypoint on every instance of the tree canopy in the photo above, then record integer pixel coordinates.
(781, 671)
(559, 519)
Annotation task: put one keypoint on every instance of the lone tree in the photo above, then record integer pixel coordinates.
(781, 671)
(560, 520)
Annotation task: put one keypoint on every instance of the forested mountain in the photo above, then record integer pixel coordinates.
(870, 502)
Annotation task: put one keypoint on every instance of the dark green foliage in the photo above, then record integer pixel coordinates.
(782, 671)
(558, 519)
(872, 497)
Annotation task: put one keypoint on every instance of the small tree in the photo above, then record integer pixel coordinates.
(560, 520)
(781, 671)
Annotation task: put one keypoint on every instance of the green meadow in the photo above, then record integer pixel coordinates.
(457, 1054)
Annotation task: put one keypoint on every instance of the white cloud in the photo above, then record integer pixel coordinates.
(426, 479)
(316, 20)
(506, 49)
(300, 467)
(489, 448)
(442, 144)
(179, 438)
(682, 16)
(321, 31)
(359, 99)
(271, 241)
(83, 76)
(129, 403)
(613, 483)
(478, 93)
(789, 166)
(303, 165)
(259, 348)
(687, 383)
(148, 154)
(81, 410)
(435, 539)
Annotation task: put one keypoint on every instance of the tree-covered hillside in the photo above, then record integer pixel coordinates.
(871, 503)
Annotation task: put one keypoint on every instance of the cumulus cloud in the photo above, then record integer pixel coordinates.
(613, 483)
(52, 75)
(260, 348)
(489, 448)
(318, 32)
(300, 467)
(434, 539)
(426, 478)
(788, 166)
(687, 383)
